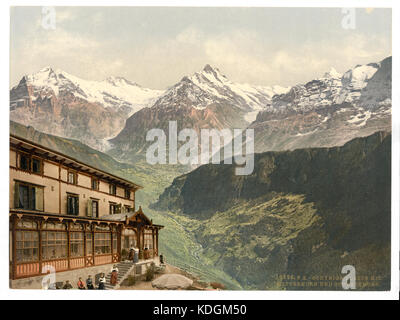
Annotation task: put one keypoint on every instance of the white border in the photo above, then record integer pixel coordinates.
(6, 293)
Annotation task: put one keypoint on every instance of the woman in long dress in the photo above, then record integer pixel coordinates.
(114, 275)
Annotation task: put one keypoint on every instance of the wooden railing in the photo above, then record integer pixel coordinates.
(29, 269)
(103, 259)
(77, 263)
(58, 265)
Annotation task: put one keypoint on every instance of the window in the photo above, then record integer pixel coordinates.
(95, 184)
(36, 165)
(73, 204)
(102, 243)
(27, 246)
(54, 245)
(29, 163)
(115, 242)
(89, 244)
(130, 239)
(115, 208)
(127, 193)
(24, 162)
(28, 197)
(77, 244)
(127, 209)
(113, 189)
(148, 240)
(72, 177)
(95, 208)
(92, 209)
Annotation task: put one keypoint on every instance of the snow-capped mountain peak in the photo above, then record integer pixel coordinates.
(332, 73)
(210, 86)
(120, 82)
(358, 77)
(213, 74)
(117, 93)
(332, 88)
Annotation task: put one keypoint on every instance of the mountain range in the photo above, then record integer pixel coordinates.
(328, 111)
(56, 102)
(115, 114)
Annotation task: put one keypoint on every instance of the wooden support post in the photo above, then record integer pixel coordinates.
(84, 245)
(139, 239)
(93, 246)
(119, 247)
(59, 188)
(153, 244)
(69, 244)
(112, 243)
(158, 253)
(14, 248)
(40, 246)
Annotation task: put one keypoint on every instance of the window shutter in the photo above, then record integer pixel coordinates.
(16, 195)
(39, 199)
(32, 198)
(76, 199)
(69, 205)
(89, 208)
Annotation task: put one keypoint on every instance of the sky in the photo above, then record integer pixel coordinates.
(156, 47)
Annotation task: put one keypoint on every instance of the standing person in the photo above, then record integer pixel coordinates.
(89, 283)
(114, 275)
(131, 254)
(81, 284)
(102, 282)
(136, 255)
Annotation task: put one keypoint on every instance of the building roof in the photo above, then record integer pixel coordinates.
(118, 217)
(66, 160)
(130, 216)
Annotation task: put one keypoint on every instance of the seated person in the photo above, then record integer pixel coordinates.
(67, 285)
(81, 284)
(89, 283)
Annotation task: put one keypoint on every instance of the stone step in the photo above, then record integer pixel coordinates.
(121, 273)
(123, 269)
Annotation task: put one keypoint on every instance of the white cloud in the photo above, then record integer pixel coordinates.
(242, 55)
(246, 57)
